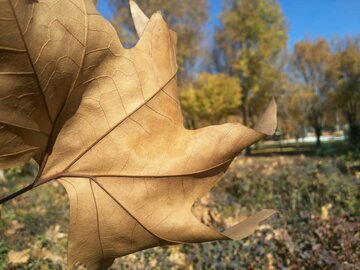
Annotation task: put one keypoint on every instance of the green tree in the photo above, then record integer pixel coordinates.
(311, 63)
(210, 98)
(346, 95)
(186, 17)
(250, 46)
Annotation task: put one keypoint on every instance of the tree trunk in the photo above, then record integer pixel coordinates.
(245, 121)
(354, 134)
(318, 132)
(297, 143)
(354, 127)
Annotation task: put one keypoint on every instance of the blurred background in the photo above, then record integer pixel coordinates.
(234, 56)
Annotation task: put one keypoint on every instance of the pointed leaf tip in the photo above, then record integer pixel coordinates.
(268, 121)
(139, 18)
(249, 225)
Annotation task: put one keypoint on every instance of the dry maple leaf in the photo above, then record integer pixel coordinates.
(106, 122)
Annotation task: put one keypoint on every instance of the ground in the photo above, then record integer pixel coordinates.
(317, 225)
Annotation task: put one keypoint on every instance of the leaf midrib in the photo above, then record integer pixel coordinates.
(216, 169)
(118, 124)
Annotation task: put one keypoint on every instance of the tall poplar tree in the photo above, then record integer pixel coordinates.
(346, 95)
(251, 43)
(311, 63)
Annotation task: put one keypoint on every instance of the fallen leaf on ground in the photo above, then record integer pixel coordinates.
(325, 211)
(18, 257)
(15, 226)
(47, 254)
(53, 233)
(283, 236)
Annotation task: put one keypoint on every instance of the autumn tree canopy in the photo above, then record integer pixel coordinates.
(346, 95)
(250, 45)
(210, 98)
(311, 62)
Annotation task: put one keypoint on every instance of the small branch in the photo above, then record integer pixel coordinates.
(16, 194)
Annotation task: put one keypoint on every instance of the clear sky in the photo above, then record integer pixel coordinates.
(305, 18)
(325, 18)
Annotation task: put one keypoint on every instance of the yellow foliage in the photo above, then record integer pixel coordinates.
(346, 70)
(211, 97)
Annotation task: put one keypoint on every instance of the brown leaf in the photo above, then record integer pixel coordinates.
(177, 257)
(15, 226)
(47, 254)
(54, 234)
(18, 257)
(107, 123)
(283, 236)
(325, 211)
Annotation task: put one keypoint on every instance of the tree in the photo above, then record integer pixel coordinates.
(346, 95)
(185, 17)
(250, 46)
(311, 65)
(210, 98)
(296, 103)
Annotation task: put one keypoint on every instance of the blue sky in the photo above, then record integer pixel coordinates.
(305, 18)
(325, 18)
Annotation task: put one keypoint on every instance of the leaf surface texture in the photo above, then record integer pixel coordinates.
(106, 122)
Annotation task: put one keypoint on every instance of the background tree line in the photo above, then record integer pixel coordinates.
(317, 85)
